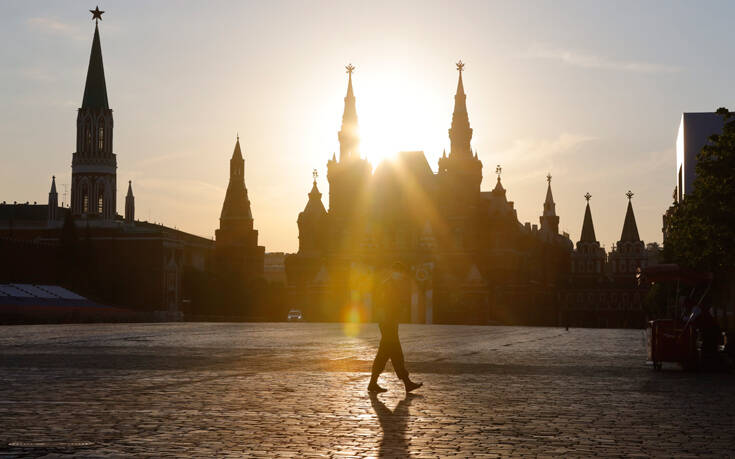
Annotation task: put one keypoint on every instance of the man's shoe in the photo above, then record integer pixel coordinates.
(375, 389)
(410, 385)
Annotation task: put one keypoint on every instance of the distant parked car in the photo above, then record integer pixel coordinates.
(294, 315)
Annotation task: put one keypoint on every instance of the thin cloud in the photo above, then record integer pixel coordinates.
(37, 74)
(532, 150)
(530, 159)
(55, 27)
(590, 61)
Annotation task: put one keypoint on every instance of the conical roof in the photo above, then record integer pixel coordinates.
(348, 135)
(130, 189)
(53, 185)
(460, 133)
(588, 228)
(95, 89)
(315, 206)
(630, 229)
(237, 204)
(549, 205)
(237, 153)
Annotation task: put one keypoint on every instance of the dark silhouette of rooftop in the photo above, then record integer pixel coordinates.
(95, 90)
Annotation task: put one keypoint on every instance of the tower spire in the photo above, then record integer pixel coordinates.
(588, 228)
(460, 134)
(95, 89)
(349, 137)
(630, 229)
(549, 204)
(549, 220)
(53, 201)
(236, 208)
(94, 164)
(130, 204)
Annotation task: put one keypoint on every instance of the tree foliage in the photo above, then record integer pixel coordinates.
(701, 227)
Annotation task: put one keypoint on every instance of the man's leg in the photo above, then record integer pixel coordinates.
(381, 358)
(396, 358)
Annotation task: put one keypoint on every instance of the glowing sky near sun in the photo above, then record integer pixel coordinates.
(589, 91)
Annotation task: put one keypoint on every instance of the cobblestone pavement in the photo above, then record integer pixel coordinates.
(298, 389)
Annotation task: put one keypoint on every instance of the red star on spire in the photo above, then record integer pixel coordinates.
(96, 13)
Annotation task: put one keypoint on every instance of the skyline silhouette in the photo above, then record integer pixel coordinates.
(287, 111)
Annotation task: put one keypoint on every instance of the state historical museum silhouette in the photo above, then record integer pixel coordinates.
(471, 260)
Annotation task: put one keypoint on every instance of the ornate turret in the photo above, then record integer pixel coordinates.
(130, 204)
(348, 176)
(498, 191)
(549, 220)
(460, 172)
(349, 135)
(460, 134)
(312, 221)
(94, 165)
(314, 206)
(53, 202)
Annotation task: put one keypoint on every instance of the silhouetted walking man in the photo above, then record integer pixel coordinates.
(391, 300)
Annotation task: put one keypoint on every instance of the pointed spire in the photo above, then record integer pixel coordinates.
(53, 201)
(549, 205)
(349, 140)
(95, 89)
(549, 220)
(130, 204)
(460, 85)
(237, 205)
(630, 229)
(444, 154)
(237, 153)
(588, 228)
(460, 134)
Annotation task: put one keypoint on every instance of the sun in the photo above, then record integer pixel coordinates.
(397, 113)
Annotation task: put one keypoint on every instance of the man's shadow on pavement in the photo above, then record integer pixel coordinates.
(393, 423)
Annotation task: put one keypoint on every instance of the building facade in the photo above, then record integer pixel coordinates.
(88, 245)
(471, 260)
(602, 289)
(238, 254)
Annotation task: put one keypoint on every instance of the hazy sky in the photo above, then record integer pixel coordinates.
(589, 91)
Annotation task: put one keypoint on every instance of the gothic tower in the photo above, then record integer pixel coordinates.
(348, 176)
(236, 218)
(460, 174)
(549, 220)
(94, 165)
(238, 252)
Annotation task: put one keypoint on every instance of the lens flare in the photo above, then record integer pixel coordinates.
(352, 317)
